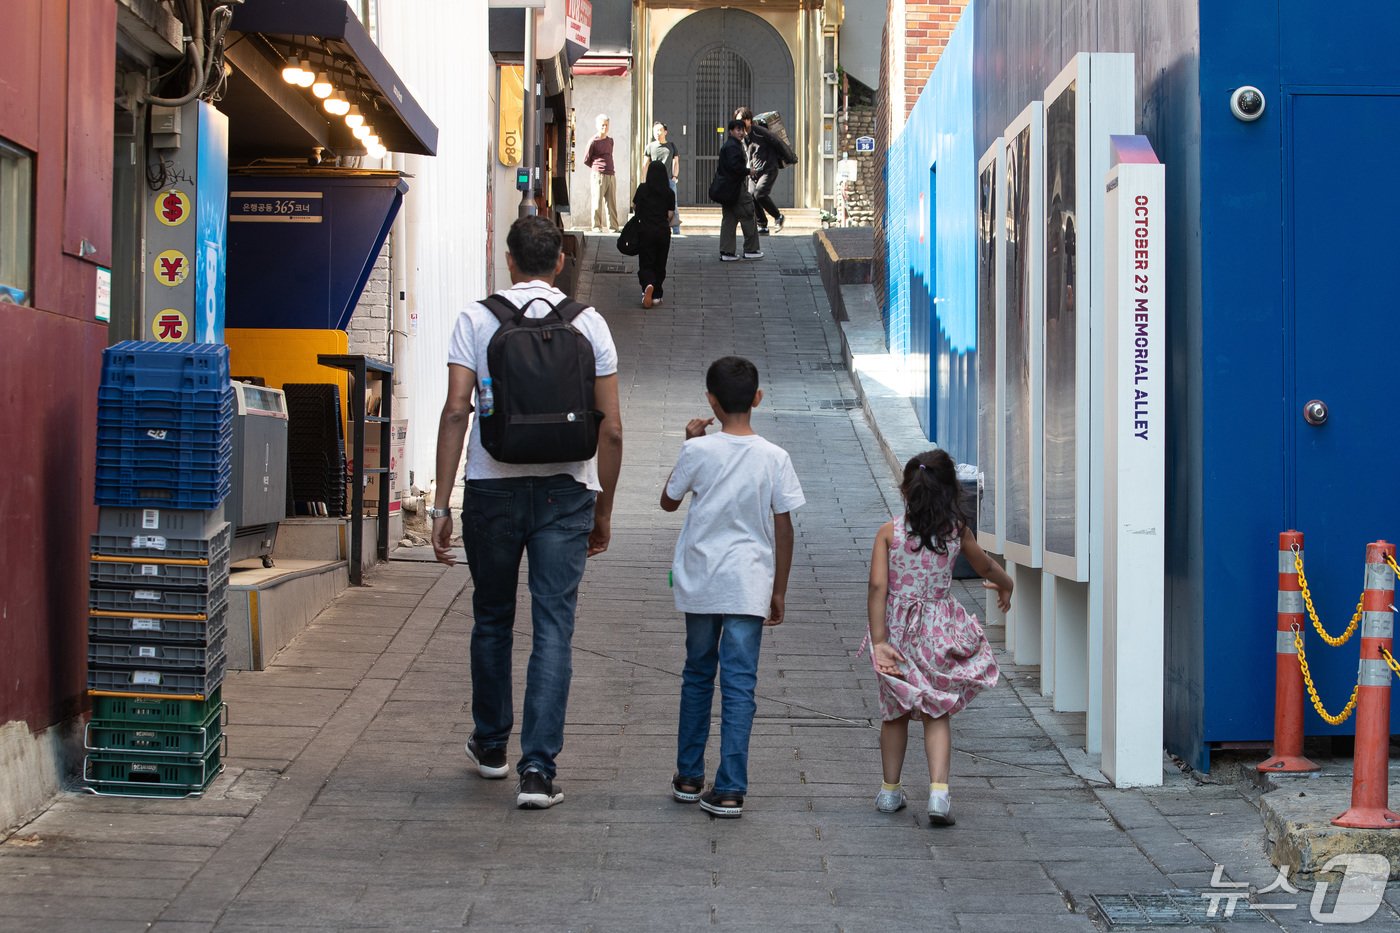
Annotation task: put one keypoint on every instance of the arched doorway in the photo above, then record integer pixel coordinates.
(711, 63)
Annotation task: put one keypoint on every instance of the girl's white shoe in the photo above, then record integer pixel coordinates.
(940, 810)
(890, 801)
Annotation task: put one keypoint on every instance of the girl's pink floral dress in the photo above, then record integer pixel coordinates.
(948, 659)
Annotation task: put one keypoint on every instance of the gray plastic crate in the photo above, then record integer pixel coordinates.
(167, 656)
(172, 523)
(145, 573)
(146, 682)
(158, 601)
(160, 631)
(161, 546)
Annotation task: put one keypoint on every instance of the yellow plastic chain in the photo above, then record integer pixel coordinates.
(1346, 712)
(1391, 561)
(1390, 660)
(1342, 639)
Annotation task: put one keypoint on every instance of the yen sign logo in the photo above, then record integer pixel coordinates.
(171, 267)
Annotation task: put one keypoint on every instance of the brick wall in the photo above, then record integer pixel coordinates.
(371, 323)
(927, 27)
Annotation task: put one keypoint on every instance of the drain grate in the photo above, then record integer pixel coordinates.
(826, 366)
(609, 268)
(1176, 909)
(798, 270)
(842, 404)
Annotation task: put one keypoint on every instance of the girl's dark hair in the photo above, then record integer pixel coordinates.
(931, 492)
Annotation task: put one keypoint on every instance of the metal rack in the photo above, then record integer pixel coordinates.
(362, 369)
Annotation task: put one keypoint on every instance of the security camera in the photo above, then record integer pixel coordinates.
(1247, 103)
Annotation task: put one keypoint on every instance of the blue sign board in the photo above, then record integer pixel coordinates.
(865, 144)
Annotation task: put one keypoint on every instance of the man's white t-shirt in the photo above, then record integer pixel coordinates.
(724, 560)
(474, 330)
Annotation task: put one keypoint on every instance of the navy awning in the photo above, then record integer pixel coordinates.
(331, 35)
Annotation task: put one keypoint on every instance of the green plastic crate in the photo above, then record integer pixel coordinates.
(117, 736)
(133, 774)
(157, 710)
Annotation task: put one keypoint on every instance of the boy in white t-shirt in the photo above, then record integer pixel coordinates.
(730, 575)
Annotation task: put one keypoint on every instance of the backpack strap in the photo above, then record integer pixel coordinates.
(505, 312)
(570, 308)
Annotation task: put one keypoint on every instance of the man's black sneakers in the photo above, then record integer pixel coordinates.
(490, 762)
(537, 792)
(778, 223)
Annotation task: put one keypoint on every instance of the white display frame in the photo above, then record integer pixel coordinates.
(1027, 554)
(993, 463)
(1105, 91)
(1133, 573)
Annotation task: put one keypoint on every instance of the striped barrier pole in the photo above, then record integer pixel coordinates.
(1288, 678)
(1370, 762)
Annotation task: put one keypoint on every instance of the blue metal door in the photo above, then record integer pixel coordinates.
(1341, 194)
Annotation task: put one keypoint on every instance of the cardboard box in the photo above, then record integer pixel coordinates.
(398, 477)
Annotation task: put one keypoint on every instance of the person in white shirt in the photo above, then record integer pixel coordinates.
(730, 575)
(558, 513)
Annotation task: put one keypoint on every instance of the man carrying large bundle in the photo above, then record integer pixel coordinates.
(768, 152)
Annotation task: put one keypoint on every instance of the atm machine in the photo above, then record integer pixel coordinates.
(258, 500)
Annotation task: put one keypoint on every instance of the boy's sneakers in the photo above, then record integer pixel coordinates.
(940, 809)
(778, 223)
(537, 792)
(756, 254)
(490, 762)
(890, 801)
(727, 806)
(686, 790)
(646, 296)
(762, 231)
(728, 257)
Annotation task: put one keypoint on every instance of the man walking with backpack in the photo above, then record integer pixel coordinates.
(543, 458)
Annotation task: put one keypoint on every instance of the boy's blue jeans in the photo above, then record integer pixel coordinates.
(550, 518)
(730, 644)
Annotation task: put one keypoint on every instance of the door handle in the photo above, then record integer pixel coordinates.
(1315, 412)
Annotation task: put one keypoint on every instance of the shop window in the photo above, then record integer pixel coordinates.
(16, 224)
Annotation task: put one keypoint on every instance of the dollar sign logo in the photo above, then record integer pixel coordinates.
(172, 207)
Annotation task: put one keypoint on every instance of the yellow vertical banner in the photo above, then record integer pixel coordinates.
(512, 126)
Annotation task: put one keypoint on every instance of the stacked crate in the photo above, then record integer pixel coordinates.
(316, 470)
(158, 576)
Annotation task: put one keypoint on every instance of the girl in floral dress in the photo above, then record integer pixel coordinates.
(930, 653)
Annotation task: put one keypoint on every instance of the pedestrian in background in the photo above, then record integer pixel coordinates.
(558, 513)
(730, 190)
(599, 159)
(930, 654)
(730, 575)
(663, 151)
(654, 205)
(765, 160)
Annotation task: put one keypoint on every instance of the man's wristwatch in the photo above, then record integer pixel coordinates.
(439, 513)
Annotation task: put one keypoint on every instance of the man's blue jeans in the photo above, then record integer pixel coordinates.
(729, 643)
(548, 517)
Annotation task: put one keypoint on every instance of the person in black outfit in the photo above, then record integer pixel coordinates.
(765, 160)
(655, 207)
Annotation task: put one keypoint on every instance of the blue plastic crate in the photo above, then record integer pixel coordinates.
(147, 364)
(211, 407)
(162, 438)
(141, 457)
(170, 490)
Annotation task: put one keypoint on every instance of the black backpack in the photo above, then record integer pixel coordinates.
(542, 374)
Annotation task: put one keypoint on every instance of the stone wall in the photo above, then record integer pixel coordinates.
(860, 195)
(370, 325)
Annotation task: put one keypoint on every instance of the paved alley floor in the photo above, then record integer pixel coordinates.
(349, 805)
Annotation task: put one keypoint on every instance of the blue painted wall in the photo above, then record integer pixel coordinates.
(931, 184)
